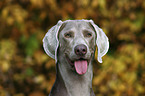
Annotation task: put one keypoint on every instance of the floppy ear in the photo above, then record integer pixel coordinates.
(101, 41)
(50, 41)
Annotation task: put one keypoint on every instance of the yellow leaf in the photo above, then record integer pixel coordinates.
(5, 66)
(39, 79)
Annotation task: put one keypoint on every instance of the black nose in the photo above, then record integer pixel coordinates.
(80, 50)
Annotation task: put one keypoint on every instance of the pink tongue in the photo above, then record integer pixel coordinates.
(81, 66)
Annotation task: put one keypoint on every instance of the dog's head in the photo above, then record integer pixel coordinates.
(76, 39)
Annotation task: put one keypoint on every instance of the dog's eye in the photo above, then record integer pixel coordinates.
(88, 34)
(68, 35)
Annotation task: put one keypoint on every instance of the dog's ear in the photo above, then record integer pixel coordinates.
(50, 41)
(101, 41)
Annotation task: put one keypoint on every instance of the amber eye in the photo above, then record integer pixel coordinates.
(68, 35)
(89, 34)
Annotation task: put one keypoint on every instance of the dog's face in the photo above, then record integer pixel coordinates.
(77, 45)
(72, 43)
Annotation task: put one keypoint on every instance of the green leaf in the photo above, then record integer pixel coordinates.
(29, 72)
(32, 45)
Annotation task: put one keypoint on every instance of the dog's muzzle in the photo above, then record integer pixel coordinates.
(80, 63)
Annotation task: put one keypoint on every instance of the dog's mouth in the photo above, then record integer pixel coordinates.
(79, 65)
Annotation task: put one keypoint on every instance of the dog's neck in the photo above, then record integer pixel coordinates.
(69, 83)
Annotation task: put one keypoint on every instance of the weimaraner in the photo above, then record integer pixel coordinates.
(72, 44)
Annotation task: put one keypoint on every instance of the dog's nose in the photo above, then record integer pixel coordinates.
(80, 49)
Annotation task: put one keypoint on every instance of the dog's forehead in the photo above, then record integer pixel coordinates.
(77, 24)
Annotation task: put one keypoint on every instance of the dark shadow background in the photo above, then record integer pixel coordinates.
(25, 69)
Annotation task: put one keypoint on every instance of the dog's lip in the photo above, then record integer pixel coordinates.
(71, 62)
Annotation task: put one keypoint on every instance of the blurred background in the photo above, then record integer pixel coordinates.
(26, 70)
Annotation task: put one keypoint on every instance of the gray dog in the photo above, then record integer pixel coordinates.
(72, 44)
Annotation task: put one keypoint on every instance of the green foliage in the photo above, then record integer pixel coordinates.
(29, 72)
(25, 69)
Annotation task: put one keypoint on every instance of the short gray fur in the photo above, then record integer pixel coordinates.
(68, 81)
